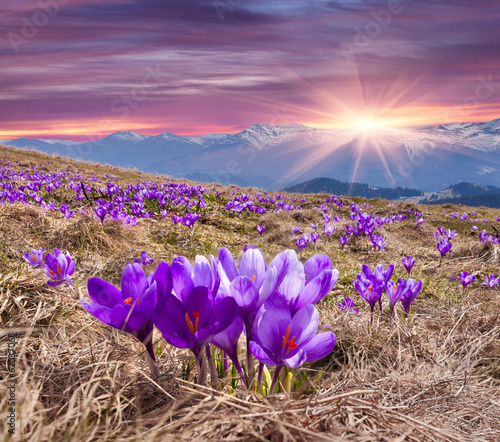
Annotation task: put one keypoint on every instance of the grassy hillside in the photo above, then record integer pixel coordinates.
(433, 377)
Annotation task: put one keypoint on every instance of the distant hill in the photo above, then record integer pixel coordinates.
(486, 200)
(329, 185)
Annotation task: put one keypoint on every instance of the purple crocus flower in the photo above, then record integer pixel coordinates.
(144, 259)
(195, 322)
(343, 240)
(35, 258)
(176, 219)
(408, 263)
(466, 279)
(261, 229)
(313, 225)
(443, 246)
(131, 308)
(491, 281)
(101, 213)
(378, 242)
(329, 229)
(419, 221)
(189, 219)
(297, 230)
(370, 285)
(412, 289)
(305, 283)
(282, 339)
(302, 242)
(395, 292)
(450, 234)
(347, 305)
(185, 276)
(314, 237)
(59, 267)
(164, 213)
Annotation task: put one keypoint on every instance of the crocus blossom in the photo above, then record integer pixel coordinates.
(261, 229)
(59, 267)
(443, 246)
(129, 309)
(35, 258)
(491, 281)
(466, 279)
(347, 305)
(280, 339)
(144, 259)
(412, 290)
(408, 263)
(195, 322)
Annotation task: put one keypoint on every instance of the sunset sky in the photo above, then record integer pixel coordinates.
(82, 69)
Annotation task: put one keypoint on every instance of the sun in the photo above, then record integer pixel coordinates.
(368, 125)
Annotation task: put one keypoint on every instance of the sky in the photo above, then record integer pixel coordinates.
(83, 69)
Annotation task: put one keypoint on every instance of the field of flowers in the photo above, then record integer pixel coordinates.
(143, 306)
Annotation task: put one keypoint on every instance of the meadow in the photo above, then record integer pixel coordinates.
(430, 375)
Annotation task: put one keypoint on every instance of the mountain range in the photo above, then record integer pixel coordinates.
(277, 156)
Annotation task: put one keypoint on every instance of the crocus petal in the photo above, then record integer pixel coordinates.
(320, 346)
(147, 303)
(134, 282)
(202, 272)
(253, 266)
(262, 355)
(98, 311)
(226, 260)
(245, 293)
(296, 360)
(104, 293)
(200, 300)
(227, 339)
(270, 326)
(304, 324)
(282, 263)
(314, 290)
(170, 319)
(316, 265)
(268, 285)
(181, 270)
(163, 278)
(224, 313)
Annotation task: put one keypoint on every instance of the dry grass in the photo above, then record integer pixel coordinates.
(436, 378)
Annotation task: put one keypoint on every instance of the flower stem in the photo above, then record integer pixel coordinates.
(275, 378)
(153, 367)
(211, 366)
(202, 368)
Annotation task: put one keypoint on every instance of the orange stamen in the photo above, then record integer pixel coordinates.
(190, 324)
(33, 257)
(59, 271)
(287, 340)
(128, 301)
(196, 316)
(253, 278)
(370, 289)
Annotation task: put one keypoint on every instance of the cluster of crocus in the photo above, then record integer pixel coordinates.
(213, 301)
(57, 266)
(371, 285)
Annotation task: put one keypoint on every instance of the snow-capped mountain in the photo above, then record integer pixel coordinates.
(276, 156)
